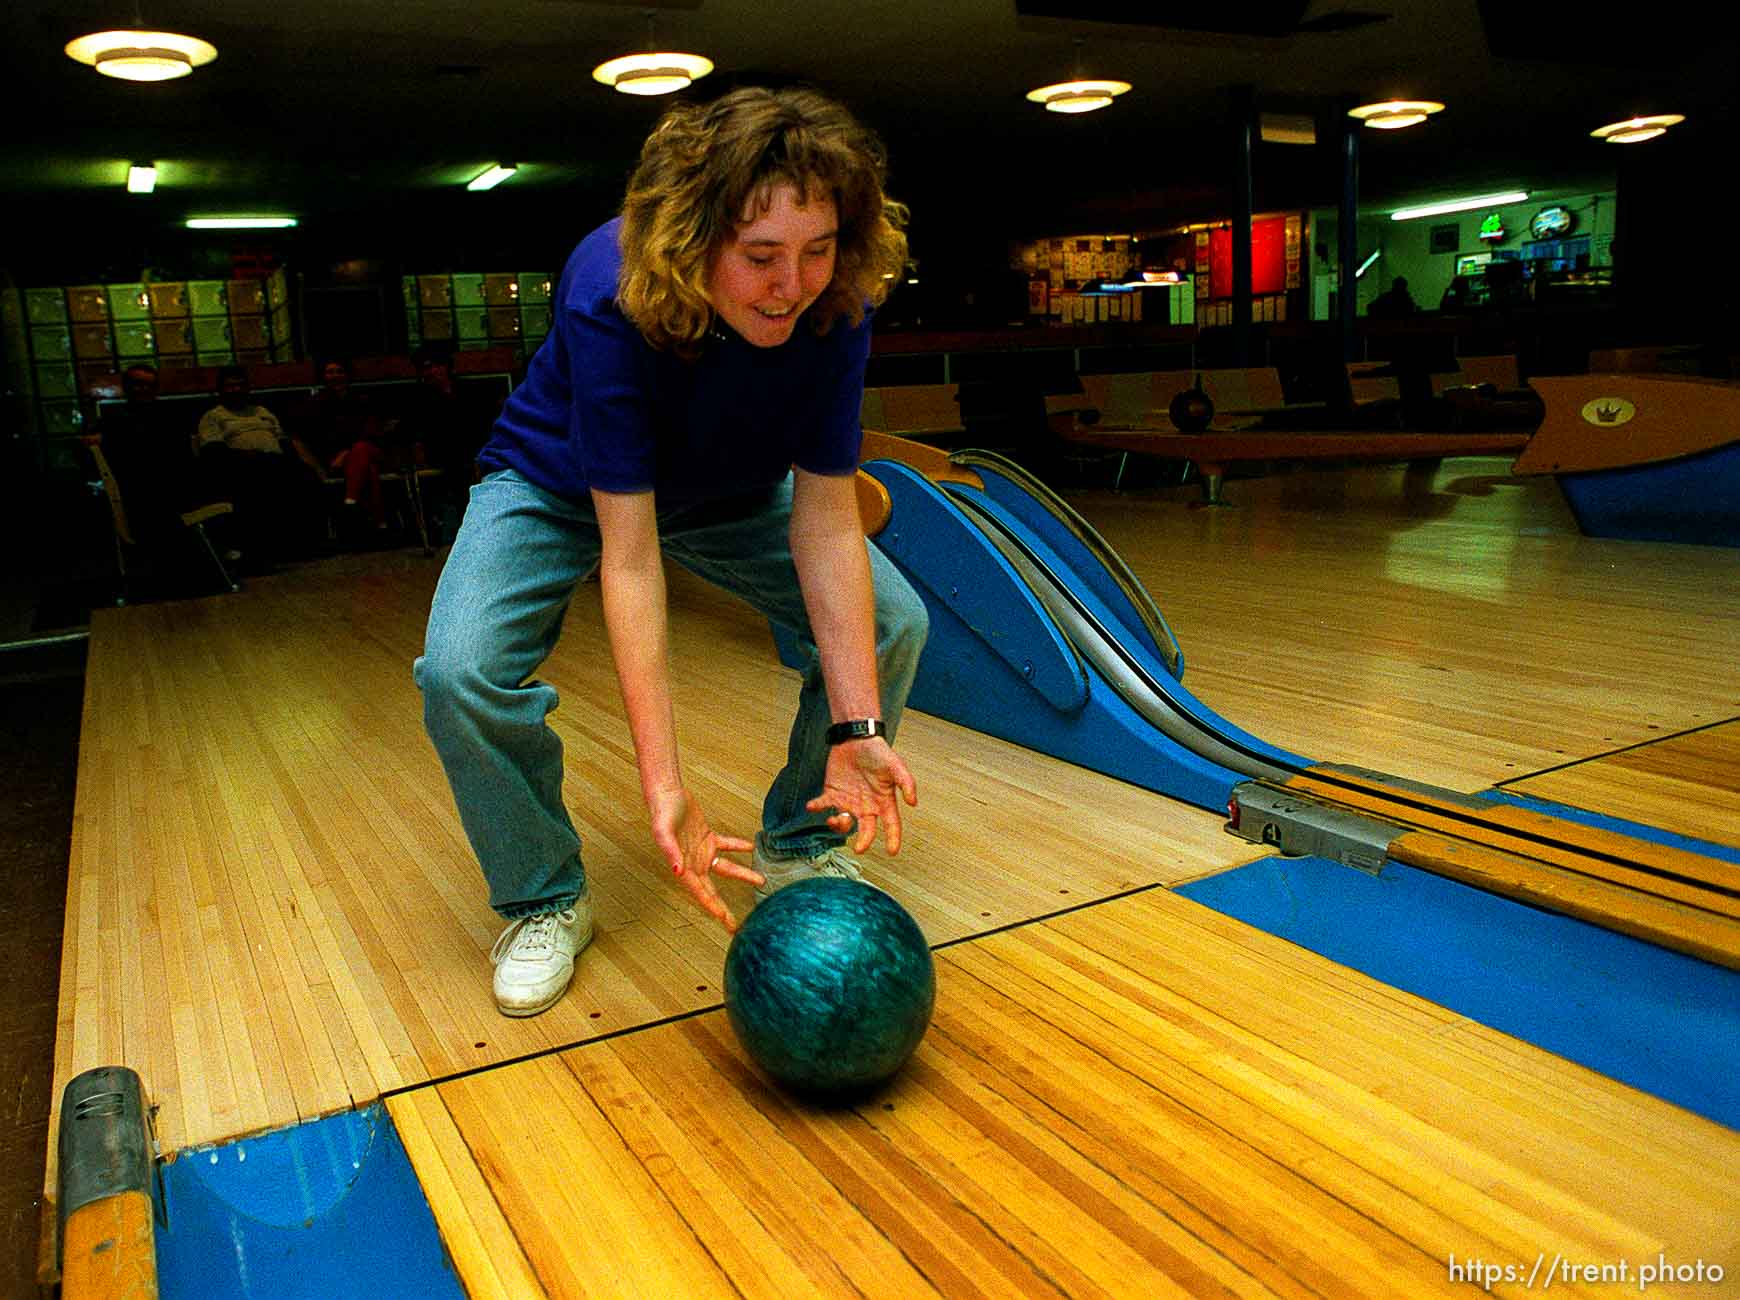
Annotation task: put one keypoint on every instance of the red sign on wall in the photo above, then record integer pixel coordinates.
(1268, 258)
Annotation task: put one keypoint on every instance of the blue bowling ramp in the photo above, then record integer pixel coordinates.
(1665, 1023)
(321, 1211)
(1040, 635)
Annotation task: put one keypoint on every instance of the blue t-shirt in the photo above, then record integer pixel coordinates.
(600, 407)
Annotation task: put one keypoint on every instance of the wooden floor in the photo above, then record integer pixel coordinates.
(1688, 783)
(1142, 1098)
(273, 914)
(1450, 626)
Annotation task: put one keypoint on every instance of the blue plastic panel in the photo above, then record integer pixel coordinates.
(954, 568)
(1694, 499)
(991, 644)
(1089, 569)
(1116, 616)
(1660, 1021)
(321, 1211)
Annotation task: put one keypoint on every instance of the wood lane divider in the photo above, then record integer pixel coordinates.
(1666, 895)
(874, 504)
(108, 1247)
(1596, 422)
(1589, 850)
(1691, 930)
(110, 1250)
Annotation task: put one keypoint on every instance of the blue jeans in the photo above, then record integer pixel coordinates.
(497, 613)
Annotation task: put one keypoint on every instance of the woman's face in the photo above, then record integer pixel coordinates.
(774, 265)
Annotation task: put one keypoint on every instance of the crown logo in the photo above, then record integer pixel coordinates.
(1608, 411)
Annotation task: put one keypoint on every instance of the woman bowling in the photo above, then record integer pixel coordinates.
(698, 396)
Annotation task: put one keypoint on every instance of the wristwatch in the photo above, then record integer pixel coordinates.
(856, 729)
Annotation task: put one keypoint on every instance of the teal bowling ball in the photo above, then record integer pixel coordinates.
(829, 986)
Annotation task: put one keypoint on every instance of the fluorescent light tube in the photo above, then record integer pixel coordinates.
(491, 178)
(1459, 205)
(240, 223)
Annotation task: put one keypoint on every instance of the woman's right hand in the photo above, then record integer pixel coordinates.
(692, 849)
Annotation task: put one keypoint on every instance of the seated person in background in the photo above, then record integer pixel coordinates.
(243, 460)
(146, 446)
(239, 423)
(342, 432)
(1394, 301)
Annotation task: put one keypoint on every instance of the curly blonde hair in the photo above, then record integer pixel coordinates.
(700, 169)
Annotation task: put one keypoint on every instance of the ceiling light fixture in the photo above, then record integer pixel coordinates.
(1459, 205)
(495, 175)
(1393, 114)
(1637, 129)
(655, 72)
(1077, 96)
(240, 223)
(141, 55)
(141, 178)
(1082, 95)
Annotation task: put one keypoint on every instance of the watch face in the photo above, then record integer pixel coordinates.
(1549, 223)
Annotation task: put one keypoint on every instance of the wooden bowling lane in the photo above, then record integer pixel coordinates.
(1689, 784)
(1139, 1098)
(272, 910)
(1446, 623)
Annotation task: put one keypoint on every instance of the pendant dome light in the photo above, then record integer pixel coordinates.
(1635, 130)
(1394, 114)
(654, 72)
(141, 55)
(1081, 95)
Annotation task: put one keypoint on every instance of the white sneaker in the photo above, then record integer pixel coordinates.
(534, 958)
(780, 872)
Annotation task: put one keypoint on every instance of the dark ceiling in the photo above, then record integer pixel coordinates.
(328, 109)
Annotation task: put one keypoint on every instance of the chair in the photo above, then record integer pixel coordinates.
(414, 478)
(411, 479)
(192, 520)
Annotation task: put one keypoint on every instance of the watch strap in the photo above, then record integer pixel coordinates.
(856, 729)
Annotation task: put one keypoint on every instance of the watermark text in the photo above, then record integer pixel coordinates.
(1543, 1272)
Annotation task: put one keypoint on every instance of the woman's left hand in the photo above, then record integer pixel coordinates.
(862, 779)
